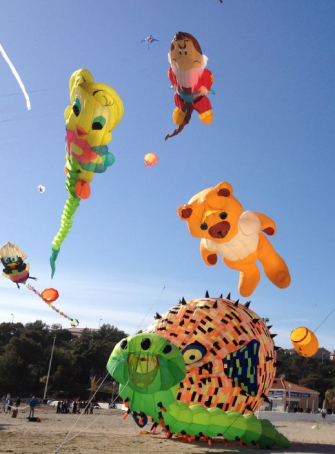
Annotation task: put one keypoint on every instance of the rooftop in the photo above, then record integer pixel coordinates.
(77, 332)
(280, 383)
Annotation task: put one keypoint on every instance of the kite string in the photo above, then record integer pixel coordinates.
(16, 75)
(157, 300)
(78, 419)
(67, 439)
(330, 313)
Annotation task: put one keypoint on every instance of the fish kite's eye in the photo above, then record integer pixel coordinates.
(167, 349)
(193, 353)
(124, 344)
(204, 226)
(76, 107)
(180, 52)
(223, 215)
(145, 344)
(186, 52)
(98, 122)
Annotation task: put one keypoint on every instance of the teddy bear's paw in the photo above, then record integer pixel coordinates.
(283, 279)
(212, 259)
(248, 281)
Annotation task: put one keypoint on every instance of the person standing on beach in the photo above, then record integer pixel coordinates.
(32, 405)
(86, 404)
(92, 407)
(78, 405)
(74, 406)
(9, 405)
(3, 403)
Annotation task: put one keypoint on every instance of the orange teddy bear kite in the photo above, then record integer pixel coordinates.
(217, 217)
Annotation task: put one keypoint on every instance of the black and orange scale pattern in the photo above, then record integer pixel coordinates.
(229, 352)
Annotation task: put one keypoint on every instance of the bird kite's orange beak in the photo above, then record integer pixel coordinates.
(81, 131)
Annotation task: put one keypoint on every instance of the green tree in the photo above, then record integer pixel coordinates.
(25, 352)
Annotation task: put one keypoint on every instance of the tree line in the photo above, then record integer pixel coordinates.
(25, 352)
(80, 363)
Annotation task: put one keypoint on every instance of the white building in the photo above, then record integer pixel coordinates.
(287, 396)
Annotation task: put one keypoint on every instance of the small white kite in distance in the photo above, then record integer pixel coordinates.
(41, 188)
(16, 75)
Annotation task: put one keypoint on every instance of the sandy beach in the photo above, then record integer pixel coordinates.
(106, 432)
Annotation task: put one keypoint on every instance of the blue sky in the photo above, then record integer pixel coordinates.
(272, 138)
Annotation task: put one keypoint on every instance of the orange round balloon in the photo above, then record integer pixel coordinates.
(49, 295)
(150, 159)
(304, 341)
(82, 189)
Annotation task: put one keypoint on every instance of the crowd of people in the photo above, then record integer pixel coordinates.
(322, 411)
(298, 409)
(65, 406)
(8, 406)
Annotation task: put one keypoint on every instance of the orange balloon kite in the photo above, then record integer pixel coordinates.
(150, 159)
(304, 341)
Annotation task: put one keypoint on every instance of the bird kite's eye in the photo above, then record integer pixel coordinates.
(185, 51)
(145, 344)
(124, 344)
(13, 258)
(193, 353)
(167, 349)
(223, 215)
(204, 226)
(6, 259)
(76, 107)
(98, 122)
(180, 52)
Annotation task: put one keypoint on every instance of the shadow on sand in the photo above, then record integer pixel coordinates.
(311, 448)
(297, 448)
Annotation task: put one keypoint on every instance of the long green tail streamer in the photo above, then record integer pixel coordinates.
(69, 210)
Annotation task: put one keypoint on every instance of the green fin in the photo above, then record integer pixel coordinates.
(53, 259)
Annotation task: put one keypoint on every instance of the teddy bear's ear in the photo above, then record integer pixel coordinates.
(185, 212)
(224, 189)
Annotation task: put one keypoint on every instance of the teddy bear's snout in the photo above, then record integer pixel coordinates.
(219, 230)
